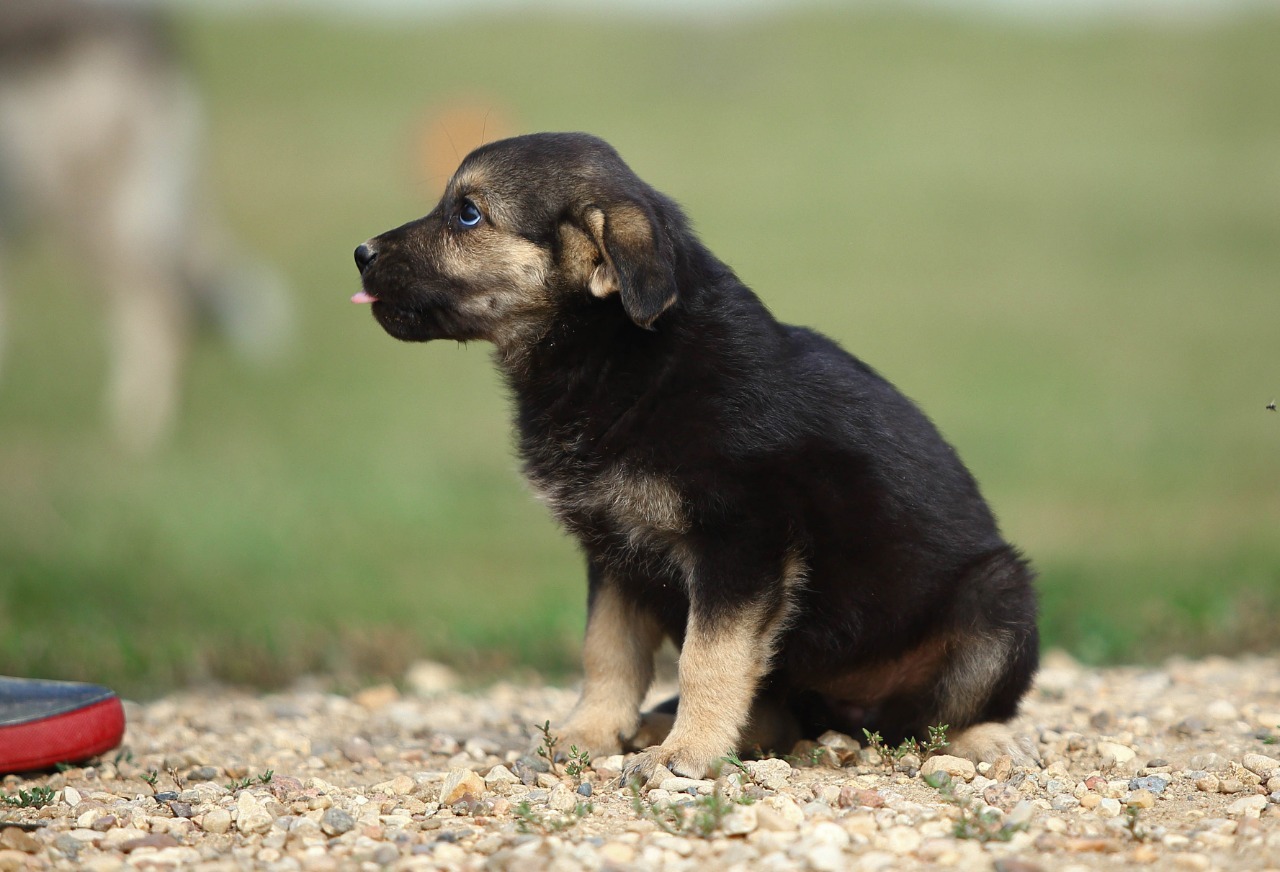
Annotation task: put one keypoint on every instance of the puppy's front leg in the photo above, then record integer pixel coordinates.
(724, 656)
(617, 659)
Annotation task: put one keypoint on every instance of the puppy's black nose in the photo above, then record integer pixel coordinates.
(364, 256)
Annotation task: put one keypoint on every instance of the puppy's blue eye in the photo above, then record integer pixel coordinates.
(469, 215)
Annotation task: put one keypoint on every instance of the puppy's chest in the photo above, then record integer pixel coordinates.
(592, 498)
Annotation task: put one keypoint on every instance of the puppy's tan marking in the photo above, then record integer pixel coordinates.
(720, 667)
(618, 661)
(641, 502)
(975, 665)
(604, 279)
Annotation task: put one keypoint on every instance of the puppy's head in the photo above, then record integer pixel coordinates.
(525, 225)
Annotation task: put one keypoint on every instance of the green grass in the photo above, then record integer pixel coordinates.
(1063, 244)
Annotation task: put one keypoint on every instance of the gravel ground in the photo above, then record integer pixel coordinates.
(1174, 767)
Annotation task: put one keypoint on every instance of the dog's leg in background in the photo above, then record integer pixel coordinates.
(149, 327)
(4, 324)
(617, 658)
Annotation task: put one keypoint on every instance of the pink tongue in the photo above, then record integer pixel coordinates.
(364, 297)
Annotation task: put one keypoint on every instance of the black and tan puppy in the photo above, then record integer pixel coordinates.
(817, 552)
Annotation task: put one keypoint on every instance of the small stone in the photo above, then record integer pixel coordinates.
(1207, 783)
(251, 816)
(398, 786)
(826, 858)
(71, 796)
(335, 822)
(1109, 807)
(1231, 785)
(1016, 864)
(1120, 754)
(1209, 762)
(562, 799)
(678, 784)
(374, 698)
(216, 821)
(1222, 710)
(852, 796)
(1021, 814)
(584, 789)
(15, 839)
(769, 819)
(202, 773)
(1153, 783)
(1065, 802)
(743, 819)
(426, 678)
(838, 742)
(1140, 799)
(1248, 806)
(68, 844)
(180, 809)
(357, 749)
(1189, 726)
(1090, 801)
(902, 840)
(151, 840)
(1002, 768)
(772, 774)
(956, 767)
(458, 784)
(500, 775)
(617, 853)
(660, 774)
(1259, 764)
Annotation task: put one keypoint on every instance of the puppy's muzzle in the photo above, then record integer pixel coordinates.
(364, 256)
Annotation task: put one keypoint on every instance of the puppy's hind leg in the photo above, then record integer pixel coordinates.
(991, 665)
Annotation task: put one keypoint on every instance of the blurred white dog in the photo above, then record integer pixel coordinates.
(100, 135)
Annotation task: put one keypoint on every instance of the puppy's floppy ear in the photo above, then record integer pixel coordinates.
(636, 260)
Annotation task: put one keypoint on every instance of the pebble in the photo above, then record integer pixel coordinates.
(1251, 806)
(1261, 765)
(15, 839)
(1222, 710)
(216, 821)
(251, 815)
(772, 774)
(459, 784)
(678, 784)
(1120, 754)
(1153, 783)
(562, 799)
(852, 796)
(500, 775)
(956, 767)
(741, 820)
(335, 822)
(1140, 799)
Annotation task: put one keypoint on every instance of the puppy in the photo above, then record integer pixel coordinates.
(800, 530)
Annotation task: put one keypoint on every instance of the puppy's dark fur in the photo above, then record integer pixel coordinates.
(798, 527)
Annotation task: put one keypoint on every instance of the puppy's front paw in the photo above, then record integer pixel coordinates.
(599, 737)
(984, 743)
(680, 759)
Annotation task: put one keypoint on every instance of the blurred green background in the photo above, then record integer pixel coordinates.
(1062, 241)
